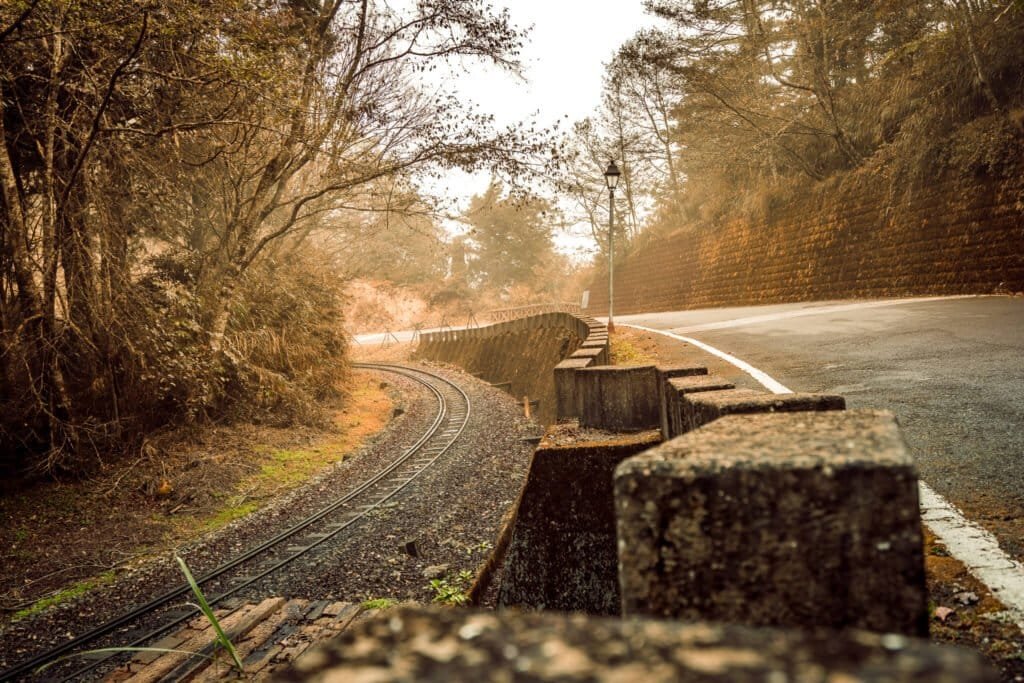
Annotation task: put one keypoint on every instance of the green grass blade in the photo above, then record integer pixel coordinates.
(207, 611)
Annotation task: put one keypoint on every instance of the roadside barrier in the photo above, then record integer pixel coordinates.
(804, 519)
(758, 508)
(666, 492)
(521, 353)
(505, 314)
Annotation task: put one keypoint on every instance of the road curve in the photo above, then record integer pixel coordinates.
(951, 369)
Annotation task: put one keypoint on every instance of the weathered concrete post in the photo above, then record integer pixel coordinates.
(565, 387)
(593, 353)
(802, 519)
(665, 373)
(618, 397)
(562, 552)
(439, 645)
(678, 387)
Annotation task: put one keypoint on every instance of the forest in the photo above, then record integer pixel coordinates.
(184, 184)
(735, 107)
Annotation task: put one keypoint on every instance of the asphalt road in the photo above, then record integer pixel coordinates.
(952, 370)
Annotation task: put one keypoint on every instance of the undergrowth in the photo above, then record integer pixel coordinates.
(451, 589)
(624, 352)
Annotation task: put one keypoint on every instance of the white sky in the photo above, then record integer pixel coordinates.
(563, 59)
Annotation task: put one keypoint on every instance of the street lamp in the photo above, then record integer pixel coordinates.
(611, 179)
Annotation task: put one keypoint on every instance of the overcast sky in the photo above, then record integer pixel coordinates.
(566, 49)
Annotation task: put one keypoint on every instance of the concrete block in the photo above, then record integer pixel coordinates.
(803, 520)
(598, 355)
(618, 397)
(665, 373)
(675, 389)
(562, 552)
(565, 386)
(701, 408)
(439, 645)
(602, 358)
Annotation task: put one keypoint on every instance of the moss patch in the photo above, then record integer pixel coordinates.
(379, 603)
(278, 470)
(62, 596)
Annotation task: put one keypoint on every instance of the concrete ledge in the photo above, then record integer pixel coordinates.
(801, 520)
(443, 645)
(565, 387)
(618, 398)
(701, 408)
(673, 422)
(602, 358)
(594, 353)
(562, 553)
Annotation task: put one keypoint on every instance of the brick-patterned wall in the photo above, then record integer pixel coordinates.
(956, 236)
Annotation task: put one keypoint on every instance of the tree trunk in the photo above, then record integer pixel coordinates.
(38, 337)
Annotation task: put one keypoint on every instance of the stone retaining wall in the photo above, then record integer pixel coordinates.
(955, 237)
(520, 354)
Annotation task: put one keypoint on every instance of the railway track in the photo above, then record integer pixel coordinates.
(147, 622)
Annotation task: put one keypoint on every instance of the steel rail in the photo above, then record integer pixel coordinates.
(27, 666)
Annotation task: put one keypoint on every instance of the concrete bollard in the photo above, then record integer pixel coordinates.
(593, 353)
(602, 358)
(803, 520)
(665, 373)
(439, 645)
(562, 555)
(618, 397)
(678, 387)
(701, 408)
(565, 387)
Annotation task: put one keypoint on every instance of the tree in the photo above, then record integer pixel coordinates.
(512, 239)
(157, 160)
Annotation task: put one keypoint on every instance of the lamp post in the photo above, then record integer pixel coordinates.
(611, 179)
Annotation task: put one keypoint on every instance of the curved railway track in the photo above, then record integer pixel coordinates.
(243, 571)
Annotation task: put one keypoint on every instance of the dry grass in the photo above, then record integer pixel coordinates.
(623, 350)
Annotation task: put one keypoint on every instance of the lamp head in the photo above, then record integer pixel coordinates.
(611, 175)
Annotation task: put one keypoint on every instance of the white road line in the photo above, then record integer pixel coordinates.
(969, 543)
(977, 549)
(815, 310)
(764, 378)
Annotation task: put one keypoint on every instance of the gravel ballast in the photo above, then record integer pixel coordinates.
(451, 514)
